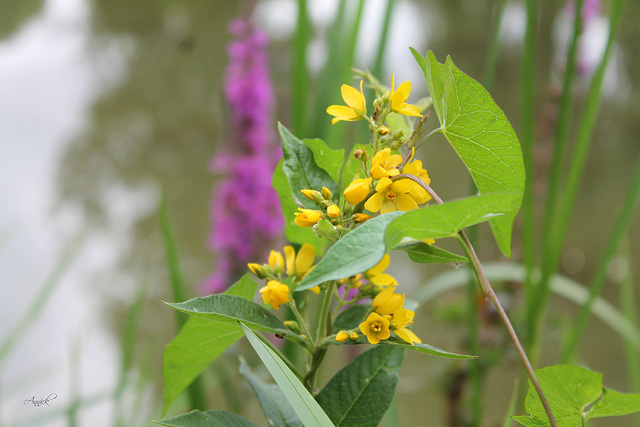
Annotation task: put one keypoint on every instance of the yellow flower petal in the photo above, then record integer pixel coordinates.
(409, 110)
(342, 113)
(383, 280)
(374, 203)
(354, 98)
(405, 203)
(375, 328)
(387, 206)
(276, 262)
(381, 266)
(358, 190)
(290, 258)
(407, 335)
(305, 258)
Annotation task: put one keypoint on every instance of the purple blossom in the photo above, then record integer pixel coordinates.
(245, 210)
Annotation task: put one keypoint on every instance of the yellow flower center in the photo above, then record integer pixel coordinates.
(391, 196)
(376, 326)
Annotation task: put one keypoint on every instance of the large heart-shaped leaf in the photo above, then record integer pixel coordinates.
(480, 133)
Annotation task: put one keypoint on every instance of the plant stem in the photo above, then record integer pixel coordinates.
(325, 310)
(489, 292)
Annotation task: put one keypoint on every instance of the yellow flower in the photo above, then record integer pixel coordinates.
(376, 328)
(275, 293)
(256, 269)
(376, 276)
(315, 290)
(333, 211)
(313, 195)
(386, 302)
(401, 319)
(300, 265)
(357, 191)
(384, 164)
(415, 168)
(307, 217)
(360, 217)
(356, 106)
(342, 336)
(276, 262)
(391, 196)
(398, 99)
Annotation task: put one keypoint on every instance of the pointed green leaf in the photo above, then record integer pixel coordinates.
(310, 413)
(429, 254)
(301, 170)
(293, 232)
(232, 309)
(436, 222)
(199, 342)
(361, 392)
(356, 252)
(424, 348)
(277, 410)
(350, 318)
(480, 133)
(326, 158)
(575, 395)
(213, 418)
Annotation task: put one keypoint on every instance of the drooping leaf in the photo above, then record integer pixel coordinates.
(326, 157)
(424, 348)
(199, 342)
(425, 253)
(356, 252)
(361, 392)
(301, 170)
(308, 410)
(436, 222)
(293, 232)
(212, 418)
(277, 410)
(232, 309)
(575, 395)
(480, 133)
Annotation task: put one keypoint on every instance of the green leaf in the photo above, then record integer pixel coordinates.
(301, 169)
(356, 252)
(326, 158)
(274, 405)
(575, 395)
(232, 309)
(429, 254)
(480, 133)
(361, 392)
(213, 418)
(293, 232)
(310, 413)
(437, 222)
(199, 342)
(352, 317)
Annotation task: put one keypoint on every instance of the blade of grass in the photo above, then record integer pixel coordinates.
(378, 64)
(528, 82)
(512, 405)
(335, 135)
(195, 390)
(560, 285)
(560, 150)
(491, 61)
(44, 294)
(620, 228)
(553, 251)
(127, 347)
(300, 71)
(330, 73)
(628, 307)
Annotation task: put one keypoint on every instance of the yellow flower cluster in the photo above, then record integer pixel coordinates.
(389, 315)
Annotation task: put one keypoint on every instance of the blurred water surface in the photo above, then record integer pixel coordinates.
(104, 103)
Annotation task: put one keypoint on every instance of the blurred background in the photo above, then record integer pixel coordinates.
(103, 104)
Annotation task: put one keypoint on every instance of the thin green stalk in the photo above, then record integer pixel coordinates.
(484, 284)
(195, 391)
(44, 294)
(277, 351)
(127, 347)
(560, 150)
(473, 330)
(512, 406)
(628, 307)
(621, 226)
(378, 63)
(325, 312)
(491, 62)
(552, 252)
(300, 71)
(528, 83)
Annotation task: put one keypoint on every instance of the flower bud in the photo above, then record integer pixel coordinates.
(312, 195)
(257, 270)
(326, 193)
(292, 325)
(395, 145)
(342, 336)
(383, 130)
(353, 336)
(360, 217)
(333, 211)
